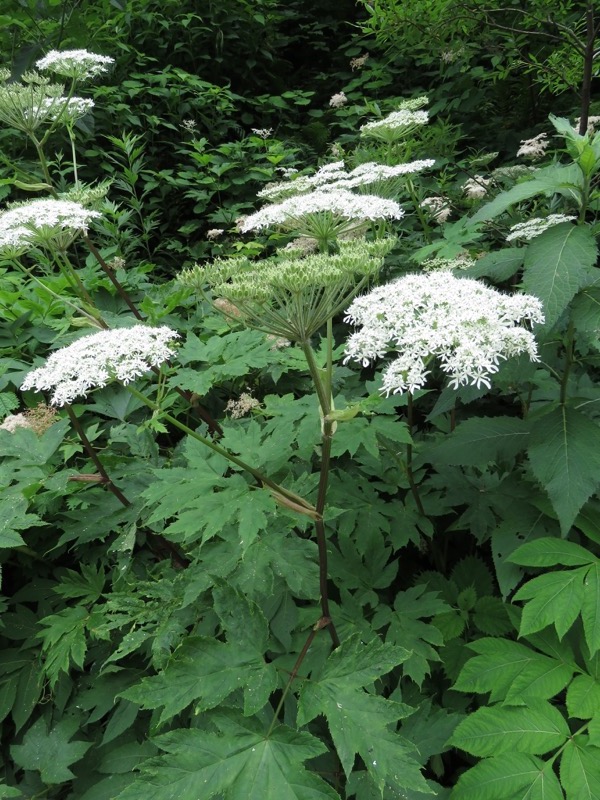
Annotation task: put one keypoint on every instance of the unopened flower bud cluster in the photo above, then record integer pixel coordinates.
(461, 322)
(534, 227)
(95, 360)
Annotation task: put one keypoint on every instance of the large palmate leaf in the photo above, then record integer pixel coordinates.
(206, 671)
(580, 770)
(50, 752)
(563, 452)
(535, 729)
(361, 723)
(511, 776)
(564, 180)
(482, 439)
(512, 671)
(554, 599)
(557, 265)
(241, 762)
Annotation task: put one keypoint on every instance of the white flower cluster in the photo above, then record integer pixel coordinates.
(22, 225)
(477, 187)
(75, 63)
(339, 202)
(462, 261)
(338, 100)
(333, 176)
(264, 133)
(72, 109)
(466, 325)
(242, 407)
(404, 118)
(14, 421)
(438, 208)
(534, 148)
(536, 226)
(95, 360)
(592, 123)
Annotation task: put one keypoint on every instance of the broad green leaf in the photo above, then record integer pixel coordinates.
(498, 265)
(557, 265)
(359, 722)
(511, 776)
(554, 599)
(205, 672)
(585, 309)
(512, 672)
(548, 552)
(51, 753)
(580, 770)
(563, 452)
(241, 761)
(479, 440)
(8, 792)
(590, 608)
(534, 729)
(583, 697)
(548, 180)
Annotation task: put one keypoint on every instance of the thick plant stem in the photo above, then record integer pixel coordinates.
(112, 278)
(409, 473)
(588, 67)
(94, 458)
(290, 499)
(323, 388)
(293, 675)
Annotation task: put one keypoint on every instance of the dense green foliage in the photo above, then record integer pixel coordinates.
(250, 574)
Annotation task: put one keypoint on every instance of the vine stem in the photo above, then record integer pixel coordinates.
(293, 500)
(293, 675)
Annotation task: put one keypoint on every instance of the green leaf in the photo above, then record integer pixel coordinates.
(512, 776)
(13, 518)
(534, 729)
(548, 552)
(8, 403)
(479, 440)
(511, 671)
(407, 626)
(557, 265)
(583, 697)
(359, 722)
(563, 452)
(241, 760)
(548, 180)
(206, 671)
(554, 599)
(499, 265)
(50, 753)
(64, 641)
(590, 608)
(580, 770)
